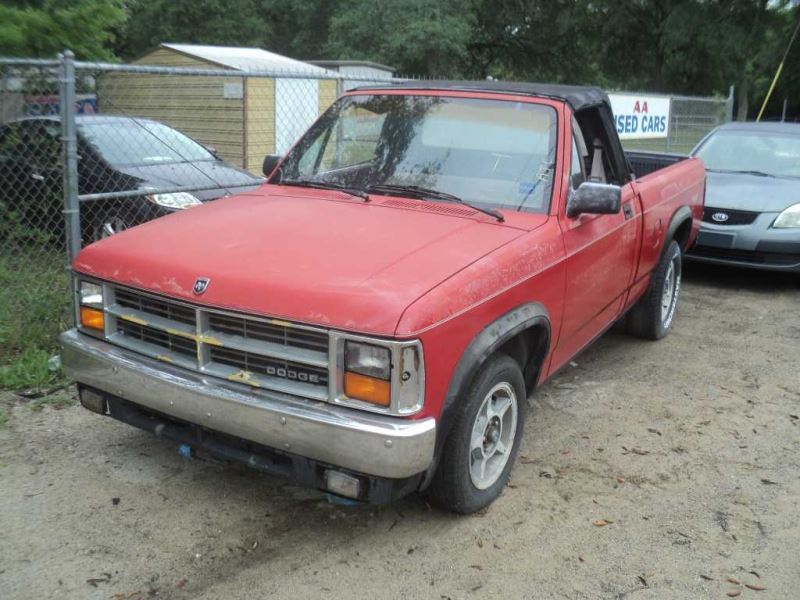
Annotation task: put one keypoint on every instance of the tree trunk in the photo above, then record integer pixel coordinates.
(742, 102)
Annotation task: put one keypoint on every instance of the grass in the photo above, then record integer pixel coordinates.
(34, 308)
(57, 401)
(3, 417)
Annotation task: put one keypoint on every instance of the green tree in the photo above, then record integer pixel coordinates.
(214, 22)
(530, 39)
(421, 37)
(42, 28)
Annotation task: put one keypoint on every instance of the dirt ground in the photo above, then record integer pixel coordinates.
(688, 448)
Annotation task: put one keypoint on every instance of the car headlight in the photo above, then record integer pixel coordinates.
(90, 307)
(367, 373)
(788, 218)
(383, 376)
(174, 200)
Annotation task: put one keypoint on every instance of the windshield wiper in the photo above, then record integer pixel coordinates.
(327, 185)
(424, 193)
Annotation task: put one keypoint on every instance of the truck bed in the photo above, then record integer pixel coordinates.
(643, 162)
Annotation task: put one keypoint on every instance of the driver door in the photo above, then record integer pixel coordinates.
(600, 261)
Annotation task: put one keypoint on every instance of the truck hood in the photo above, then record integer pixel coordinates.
(741, 191)
(304, 255)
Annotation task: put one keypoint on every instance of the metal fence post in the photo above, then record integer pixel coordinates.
(671, 131)
(69, 148)
(729, 105)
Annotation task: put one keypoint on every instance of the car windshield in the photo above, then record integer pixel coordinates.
(770, 153)
(489, 153)
(141, 142)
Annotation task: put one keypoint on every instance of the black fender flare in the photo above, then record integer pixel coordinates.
(679, 217)
(482, 346)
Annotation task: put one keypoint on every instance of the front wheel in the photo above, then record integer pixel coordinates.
(654, 313)
(482, 446)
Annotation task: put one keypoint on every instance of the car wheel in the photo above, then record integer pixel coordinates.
(484, 441)
(651, 318)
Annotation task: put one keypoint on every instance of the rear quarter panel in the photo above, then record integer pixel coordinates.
(663, 193)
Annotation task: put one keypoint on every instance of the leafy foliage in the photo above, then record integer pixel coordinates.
(215, 22)
(678, 46)
(42, 28)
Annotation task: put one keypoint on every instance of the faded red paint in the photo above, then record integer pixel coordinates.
(402, 268)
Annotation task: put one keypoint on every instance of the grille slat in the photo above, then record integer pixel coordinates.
(154, 306)
(265, 353)
(269, 332)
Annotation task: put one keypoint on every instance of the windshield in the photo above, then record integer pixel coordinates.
(771, 153)
(490, 153)
(140, 142)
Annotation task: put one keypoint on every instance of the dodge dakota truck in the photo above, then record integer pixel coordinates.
(372, 319)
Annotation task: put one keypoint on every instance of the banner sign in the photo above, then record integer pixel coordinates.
(640, 117)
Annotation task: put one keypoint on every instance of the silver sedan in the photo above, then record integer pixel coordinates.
(752, 211)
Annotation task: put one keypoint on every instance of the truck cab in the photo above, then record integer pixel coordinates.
(372, 319)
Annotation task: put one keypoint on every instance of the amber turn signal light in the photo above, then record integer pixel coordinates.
(92, 318)
(368, 389)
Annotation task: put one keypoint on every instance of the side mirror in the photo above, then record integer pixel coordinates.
(270, 162)
(595, 199)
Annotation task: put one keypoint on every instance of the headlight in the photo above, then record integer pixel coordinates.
(90, 309)
(174, 200)
(788, 218)
(91, 294)
(383, 376)
(367, 370)
(366, 359)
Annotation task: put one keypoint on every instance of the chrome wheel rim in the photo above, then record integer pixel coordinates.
(669, 297)
(493, 434)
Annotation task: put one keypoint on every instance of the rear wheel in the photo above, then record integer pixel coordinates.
(654, 313)
(482, 446)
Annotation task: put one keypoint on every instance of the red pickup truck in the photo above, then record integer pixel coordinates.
(371, 320)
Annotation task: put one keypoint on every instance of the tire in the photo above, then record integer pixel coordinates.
(652, 316)
(460, 484)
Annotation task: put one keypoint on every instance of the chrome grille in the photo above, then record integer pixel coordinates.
(155, 306)
(261, 352)
(148, 335)
(268, 332)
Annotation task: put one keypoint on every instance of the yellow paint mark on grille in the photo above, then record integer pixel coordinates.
(280, 323)
(165, 358)
(209, 339)
(183, 334)
(243, 377)
(133, 319)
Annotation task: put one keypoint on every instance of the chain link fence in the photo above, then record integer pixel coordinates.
(90, 149)
(691, 118)
(34, 304)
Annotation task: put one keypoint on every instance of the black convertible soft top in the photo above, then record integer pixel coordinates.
(578, 97)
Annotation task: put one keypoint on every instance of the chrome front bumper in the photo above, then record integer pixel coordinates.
(373, 444)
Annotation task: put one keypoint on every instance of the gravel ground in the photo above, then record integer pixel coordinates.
(648, 470)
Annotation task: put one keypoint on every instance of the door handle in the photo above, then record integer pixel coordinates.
(627, 210)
